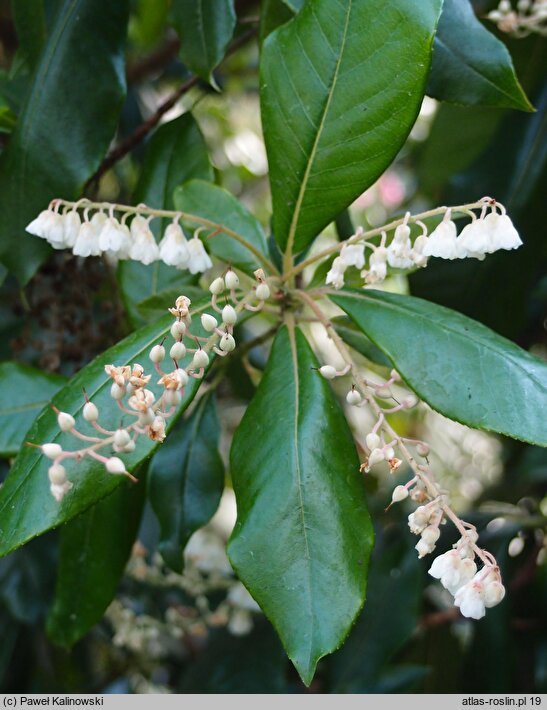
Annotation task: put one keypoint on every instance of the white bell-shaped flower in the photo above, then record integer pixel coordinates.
(173, 246)
(353, 255)
(442, 241)
(87, 242)
(41, 226)
(475, 239)
(114, 236)
(143, 246)
(199, 260)
(71, 227)
(399, 252)
(335, 276)
(470, 598)
(417, 254)
(452, 570)
(503, 234)
(377, 266)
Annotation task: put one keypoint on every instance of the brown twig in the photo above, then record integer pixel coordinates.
(127, 145)
(155, 61)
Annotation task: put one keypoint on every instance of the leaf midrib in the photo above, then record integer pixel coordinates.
(294, 355)
(313, 153)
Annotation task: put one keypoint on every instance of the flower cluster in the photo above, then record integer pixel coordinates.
(473, 590)
(147, 411)
(527, 17)
(103, 233)
(491, 231)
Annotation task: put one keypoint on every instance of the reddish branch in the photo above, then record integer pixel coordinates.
(127, 145)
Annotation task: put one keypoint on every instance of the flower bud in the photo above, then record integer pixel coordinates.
(376, 455)
(147, 417)
(353, 397)
(422, 449)
(90, 412)
(373, 441)
(200, 359)
(409, 402)
(395, 376)
(182, 377)
(399, 494)
(66, 421)
(121, 438)
(129, 447)
(51, 450)
(389, 453)
(172, 398)
(117, 392)
(328, 372)
(262, 292)
(424, 548)
(493, 594)
(57, 474)
(217, 286)
(231, 279)
(227, 343)
(178, 329)
(229, 315)
(431, 534)
(178, 351)
(208, 322)
(384, 392)
(157, 354)
(115, 465)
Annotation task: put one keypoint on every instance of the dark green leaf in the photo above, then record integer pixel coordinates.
(26, 390)
(187, 480)
(30, 26)
(470, 66)
(176, 153)
(66, 124)
(458, 366)
(27, 580)
(27, 508)
(273, 13)
(205, 28)
(341, 86)
(303, 536)
(358, 341)
(213, 203)
(95, 547)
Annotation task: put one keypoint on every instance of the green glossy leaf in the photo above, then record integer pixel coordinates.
(458, 366)
(205, 28)
(66, 124)
(26, 390)
(176, 153)
(95, 547)
(27, 508)
(359, 341)
(273, 13)
(341, 86)
(216, 204)
(303, 536)
(27, 580)
(470, 65)
(30, 26)
(187, 480)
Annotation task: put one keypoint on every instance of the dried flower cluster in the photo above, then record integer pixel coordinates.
(525, 18)
(146, 410)
(103, 233)
(491, 231)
